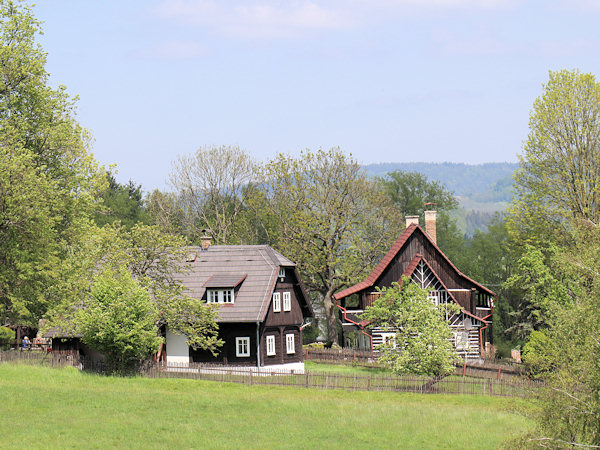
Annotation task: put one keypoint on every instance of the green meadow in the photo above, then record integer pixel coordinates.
(58, 408)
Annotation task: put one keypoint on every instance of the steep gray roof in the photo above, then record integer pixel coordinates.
(257, 266)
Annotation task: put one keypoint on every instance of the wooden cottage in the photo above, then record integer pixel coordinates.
(417, 256)
(262, 306)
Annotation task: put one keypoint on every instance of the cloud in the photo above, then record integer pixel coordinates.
(292, 18)
(255, 18)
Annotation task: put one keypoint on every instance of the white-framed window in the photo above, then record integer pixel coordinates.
(276, 302)
(220, 296)
(270, 345)
(242, 346)
(281, 272)
(290, 345)
(389, 339)
(287, 301)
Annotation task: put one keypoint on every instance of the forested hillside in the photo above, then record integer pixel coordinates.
(489, 182)
(482, 190)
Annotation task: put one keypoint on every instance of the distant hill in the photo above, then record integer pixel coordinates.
(482, 189)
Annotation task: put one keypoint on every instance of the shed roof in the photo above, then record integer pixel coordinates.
(254, 268)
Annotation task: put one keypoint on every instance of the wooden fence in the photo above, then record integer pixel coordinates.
(366, 358)
(453, 384)
(346, 356)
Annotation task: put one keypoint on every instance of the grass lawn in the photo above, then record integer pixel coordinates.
(43, 407)
(312, 366)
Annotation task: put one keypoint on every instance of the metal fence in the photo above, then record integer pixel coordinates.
(518, 387)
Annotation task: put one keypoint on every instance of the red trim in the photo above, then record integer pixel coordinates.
(360, 327)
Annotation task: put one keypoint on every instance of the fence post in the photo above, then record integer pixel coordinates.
(465, 367)
(250, 377)
(306, 380)
(490, 382)
(499, 370)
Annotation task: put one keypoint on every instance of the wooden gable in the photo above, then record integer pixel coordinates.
(413, 245)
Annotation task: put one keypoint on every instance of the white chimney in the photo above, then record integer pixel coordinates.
(410, 220)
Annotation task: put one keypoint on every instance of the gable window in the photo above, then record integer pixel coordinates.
(281, 273)
(290, 344)
(242, 346)
(276, 302)
(219, 295)
(270, 345)
(287, 301)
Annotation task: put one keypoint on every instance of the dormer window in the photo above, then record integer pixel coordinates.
(220, 288)
(220, 296)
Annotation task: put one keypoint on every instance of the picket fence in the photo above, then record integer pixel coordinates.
(518, 387)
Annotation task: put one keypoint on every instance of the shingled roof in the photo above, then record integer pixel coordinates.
(253, 267)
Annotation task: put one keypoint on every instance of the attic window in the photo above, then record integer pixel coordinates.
(220, 296)
(281, 273)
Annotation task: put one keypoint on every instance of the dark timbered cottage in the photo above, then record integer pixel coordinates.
(417, 256)
(262, 306)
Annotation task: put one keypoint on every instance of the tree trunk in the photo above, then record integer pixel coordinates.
(331, 316)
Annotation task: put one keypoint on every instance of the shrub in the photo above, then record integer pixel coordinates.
(6, 335)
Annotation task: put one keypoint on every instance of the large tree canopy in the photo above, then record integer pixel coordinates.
(332, 220)
(48, 179)
(556, 223)
(559, 177)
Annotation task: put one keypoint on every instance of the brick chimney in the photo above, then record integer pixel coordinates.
(205, 240)
(430, 225)
(411, 220)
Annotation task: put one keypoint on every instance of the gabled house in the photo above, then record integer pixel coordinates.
(416, 255)
(262, 306)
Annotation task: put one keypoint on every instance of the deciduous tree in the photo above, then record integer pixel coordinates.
(421, 343)
(154, 260)
(209, 187)
(333, 221)
(559, 174)
(49, 181)
(118, 319)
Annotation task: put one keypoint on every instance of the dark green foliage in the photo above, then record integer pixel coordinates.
(122, 202)
(410, 191)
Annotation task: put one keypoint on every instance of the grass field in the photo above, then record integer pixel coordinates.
(57, 408)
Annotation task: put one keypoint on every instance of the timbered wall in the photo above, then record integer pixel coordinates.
(418, 243)
(281, 355)
(227, 353)
(286, 318)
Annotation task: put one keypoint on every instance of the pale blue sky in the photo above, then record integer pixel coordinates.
(386, 80)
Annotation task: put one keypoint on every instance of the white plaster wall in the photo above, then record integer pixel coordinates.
(178, 352)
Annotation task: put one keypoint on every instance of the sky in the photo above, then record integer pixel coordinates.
(385, 80)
